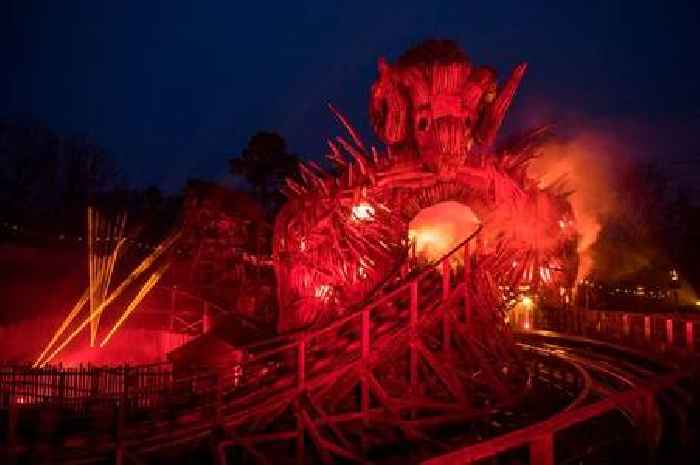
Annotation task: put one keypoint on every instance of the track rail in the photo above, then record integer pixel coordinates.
(642, 386)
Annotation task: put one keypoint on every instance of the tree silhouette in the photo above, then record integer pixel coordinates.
(264, 164)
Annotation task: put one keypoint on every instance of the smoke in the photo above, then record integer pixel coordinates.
(589, 161)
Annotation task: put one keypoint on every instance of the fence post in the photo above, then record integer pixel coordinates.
(647, 328)
(689, 336)
(626, 325)
(121, 417)
(12, 421)
(542, 450)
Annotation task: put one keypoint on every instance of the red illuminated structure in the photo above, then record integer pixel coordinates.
(342, 235)
(391, 274)
(390, 345)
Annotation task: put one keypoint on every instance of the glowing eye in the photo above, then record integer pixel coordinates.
(362, 211)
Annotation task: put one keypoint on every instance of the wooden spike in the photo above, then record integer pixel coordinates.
(356, 155)
(308, 175)
(348, 127)
(375, 156)
(335, 156)
(295, 187)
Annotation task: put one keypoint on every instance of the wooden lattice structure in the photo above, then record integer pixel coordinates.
(373, 352)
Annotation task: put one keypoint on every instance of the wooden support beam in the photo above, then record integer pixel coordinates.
(689, 336)
(300, 438)
(315, 435)
(413, 322)
(365, 343)
(669, 331)
(121, 418)
(542, 450)
(207, 320)
(446, 326)
(626, 325)
(467, 279)
(301, 364)
(446, 279)
(12, 415)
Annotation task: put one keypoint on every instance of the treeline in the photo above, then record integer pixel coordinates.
(653, 229)
(48, 179)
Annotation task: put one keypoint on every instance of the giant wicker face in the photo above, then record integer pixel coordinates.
(434, 103)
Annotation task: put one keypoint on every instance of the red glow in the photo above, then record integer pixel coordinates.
(438, 229)
(362, 211)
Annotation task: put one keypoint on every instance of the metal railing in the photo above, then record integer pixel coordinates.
(658, 332)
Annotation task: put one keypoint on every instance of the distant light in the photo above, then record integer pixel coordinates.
(362, 211)
(527, 301)
(697, 303)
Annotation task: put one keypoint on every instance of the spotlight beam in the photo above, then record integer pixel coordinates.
(66, 322)
(143, 266)
(145, 289)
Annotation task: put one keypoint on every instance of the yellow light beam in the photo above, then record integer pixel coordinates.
(67, 321)
(145, 289)
(144, 265)
(91, 264)
(101, 262)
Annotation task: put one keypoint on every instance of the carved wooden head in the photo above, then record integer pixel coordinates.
(434, 101)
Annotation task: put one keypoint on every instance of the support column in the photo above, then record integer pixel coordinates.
(689, 336)
(669, 331)
(626, 325)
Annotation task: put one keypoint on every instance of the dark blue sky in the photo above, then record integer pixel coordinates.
(172, 88)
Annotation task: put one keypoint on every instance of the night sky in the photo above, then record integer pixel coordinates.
(174, 88)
